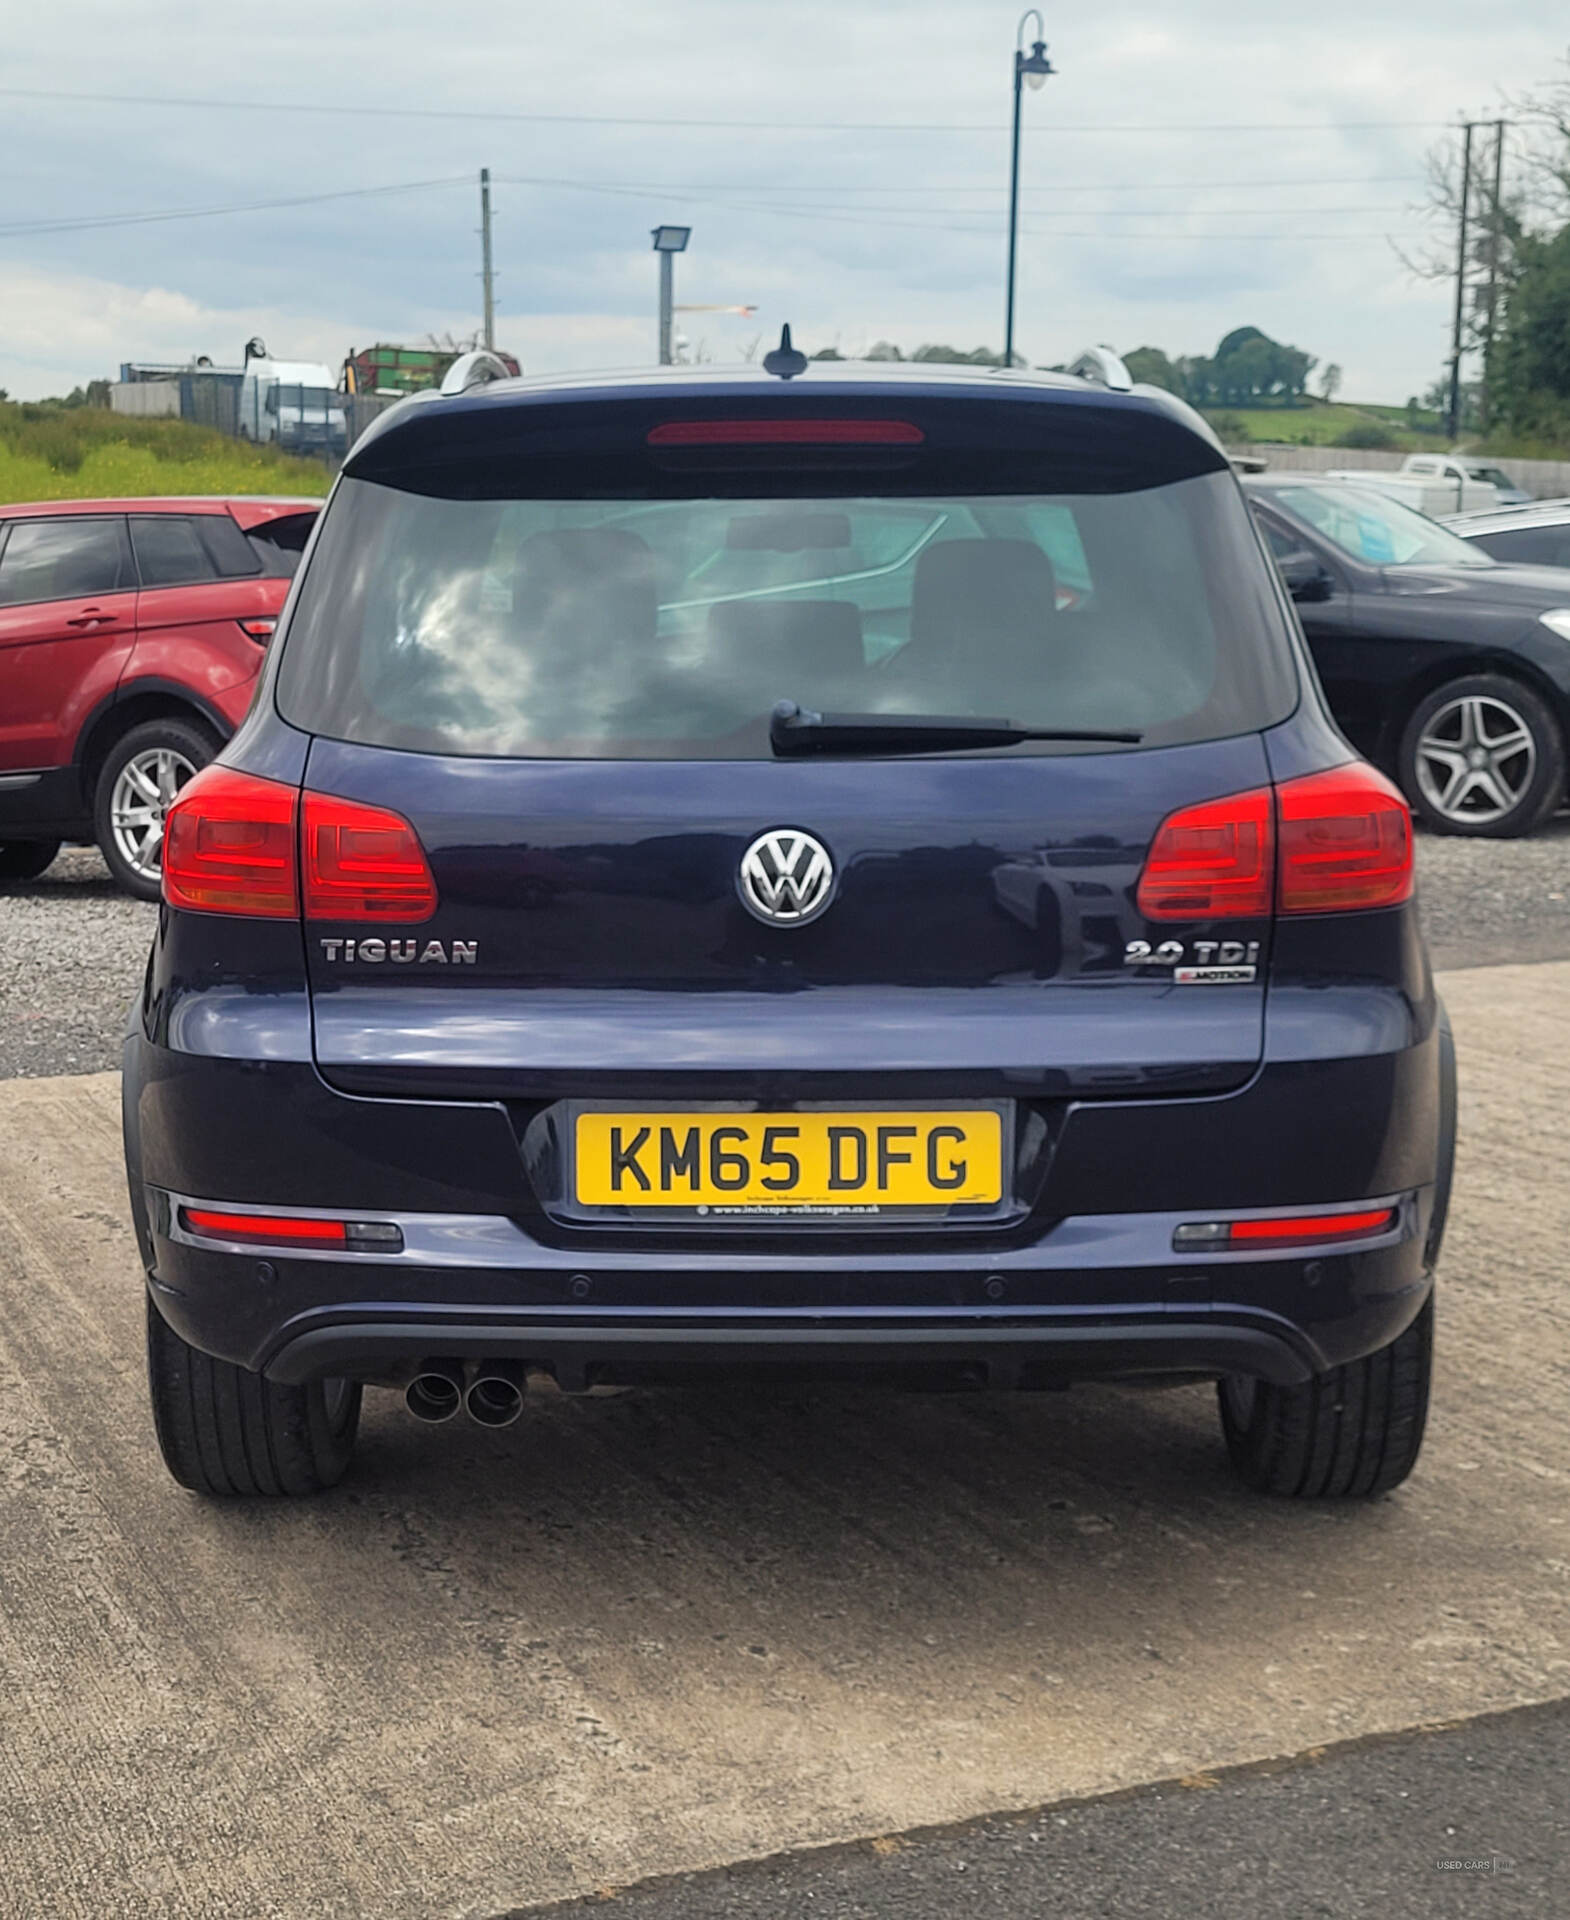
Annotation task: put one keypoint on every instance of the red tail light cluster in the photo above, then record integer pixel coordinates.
(1346, 842)
(229, 846)
(1330, 842)
(236, 843)
(362, 863)
(1212, 862)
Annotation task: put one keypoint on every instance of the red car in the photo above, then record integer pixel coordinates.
(131, 633)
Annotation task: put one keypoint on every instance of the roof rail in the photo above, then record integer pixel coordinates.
(474, 370)
(1101, 365)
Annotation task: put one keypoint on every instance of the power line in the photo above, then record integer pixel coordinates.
(343, 110)
(87, 223)
(797, 190)
(938, 219)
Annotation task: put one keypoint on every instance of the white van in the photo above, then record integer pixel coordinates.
(1466, 475)
(1432, 493)
(295, 403)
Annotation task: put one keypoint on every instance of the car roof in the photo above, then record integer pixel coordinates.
(1275, 482)
(250, 509)
(1526, 513)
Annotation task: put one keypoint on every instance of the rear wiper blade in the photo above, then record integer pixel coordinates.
(794, 729)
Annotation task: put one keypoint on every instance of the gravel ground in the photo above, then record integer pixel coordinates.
(72, 951)
(72, 946)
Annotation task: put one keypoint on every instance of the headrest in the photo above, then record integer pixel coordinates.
(980, 589)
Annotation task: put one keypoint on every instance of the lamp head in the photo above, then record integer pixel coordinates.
(1034, 67)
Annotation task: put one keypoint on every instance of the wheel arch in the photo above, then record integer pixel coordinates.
(1461, 666)
(130, 707)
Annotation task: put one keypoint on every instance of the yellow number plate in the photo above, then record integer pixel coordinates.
(788, 1161)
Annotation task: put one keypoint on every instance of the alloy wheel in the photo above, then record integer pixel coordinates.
(1476, 758)
(144, 791)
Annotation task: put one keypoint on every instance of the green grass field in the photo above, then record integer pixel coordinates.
(85, 453)
(1327, 424)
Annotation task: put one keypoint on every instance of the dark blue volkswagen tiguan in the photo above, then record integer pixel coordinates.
(729, 873)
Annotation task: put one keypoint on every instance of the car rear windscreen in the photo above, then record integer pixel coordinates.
(671, 627)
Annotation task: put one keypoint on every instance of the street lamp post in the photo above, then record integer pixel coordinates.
(1030, 70)
(668, 241)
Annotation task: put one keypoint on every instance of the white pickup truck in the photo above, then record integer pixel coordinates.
(1437, 483)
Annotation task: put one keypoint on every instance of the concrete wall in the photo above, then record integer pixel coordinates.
(147, 399)
(1548, 479)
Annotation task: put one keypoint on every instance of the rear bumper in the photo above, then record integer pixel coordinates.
(1088, 1284)
(1092, 1295)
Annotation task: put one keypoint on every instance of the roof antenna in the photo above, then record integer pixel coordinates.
(785, 360)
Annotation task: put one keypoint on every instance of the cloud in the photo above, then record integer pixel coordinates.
(1151, 235)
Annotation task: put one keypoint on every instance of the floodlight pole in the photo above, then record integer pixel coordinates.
(667, 300)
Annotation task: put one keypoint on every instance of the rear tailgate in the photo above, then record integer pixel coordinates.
(589, 931)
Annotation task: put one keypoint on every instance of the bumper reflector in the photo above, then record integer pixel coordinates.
(1285, 1231)
(290, 1230)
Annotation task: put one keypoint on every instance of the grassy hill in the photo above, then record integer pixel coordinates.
(81, 453)
(1320, 423)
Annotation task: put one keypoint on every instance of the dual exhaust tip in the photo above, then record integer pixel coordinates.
(492, 1392)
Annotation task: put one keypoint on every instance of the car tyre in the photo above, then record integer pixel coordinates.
(1529, 784)
(183, 747)
(26, 859)
(1350, 1433)
(225, 1431)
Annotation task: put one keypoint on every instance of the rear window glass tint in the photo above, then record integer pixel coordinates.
(610, 628)
(228, 547)
(1529, 546)
(65, 559)
(169, 551)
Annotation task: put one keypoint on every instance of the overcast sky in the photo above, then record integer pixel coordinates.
(1151, 215)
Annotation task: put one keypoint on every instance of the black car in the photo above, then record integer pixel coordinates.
(1536, 534)
(1446, 668)
(729, 877)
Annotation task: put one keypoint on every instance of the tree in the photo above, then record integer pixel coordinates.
(1529, 371)
(1329, 382)
(1510, 238)
(936, 354)
(1151, 367)
(1250, 367)
(883, 350)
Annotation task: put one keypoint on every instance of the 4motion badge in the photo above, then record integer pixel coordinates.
(1214, 963)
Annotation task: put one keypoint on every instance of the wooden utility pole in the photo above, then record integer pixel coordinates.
(487, 277)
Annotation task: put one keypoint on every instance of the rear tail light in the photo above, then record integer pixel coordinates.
(259, 630)
(229, 846)
(1332, 842)
(235, 843)
(362, 863)
(1215, 861)
(1346, 842)
(786, 433)
(1284, 1231)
